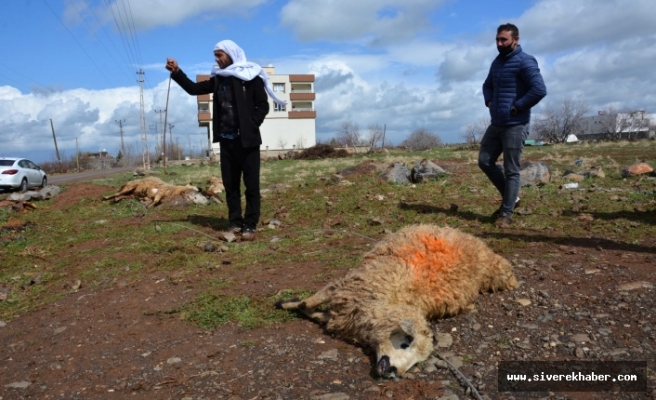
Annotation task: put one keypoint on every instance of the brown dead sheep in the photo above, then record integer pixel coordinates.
(155, 191)
(420, 273)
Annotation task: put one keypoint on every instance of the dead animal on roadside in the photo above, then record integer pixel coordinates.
(420, 273)
(153, 191)
(216, 185)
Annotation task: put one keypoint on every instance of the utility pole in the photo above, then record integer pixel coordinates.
(383, 143)
(191, 152)
(55, 139)
(144, 135)
(77, 156)
(160, 112)
(171, 126)
(120, 124)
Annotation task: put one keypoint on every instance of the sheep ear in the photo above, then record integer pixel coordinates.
(408, 327)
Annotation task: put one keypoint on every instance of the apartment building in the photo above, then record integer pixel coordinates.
(286, 127)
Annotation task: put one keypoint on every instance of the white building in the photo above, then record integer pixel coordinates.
(628, 125)
(285, 127)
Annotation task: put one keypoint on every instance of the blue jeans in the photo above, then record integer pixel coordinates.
(509, 141)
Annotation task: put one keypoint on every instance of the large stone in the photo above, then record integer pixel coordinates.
(425, 170)
(639, 168)
(396, 173)
(532, 173)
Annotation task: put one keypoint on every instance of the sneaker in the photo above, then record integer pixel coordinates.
(497, 213)
(503, 221)
(248, 234)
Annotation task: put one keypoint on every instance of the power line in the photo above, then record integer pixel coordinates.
(13, 70)
(78, 43)
(135, 39)
(106, 34)
(126, 45)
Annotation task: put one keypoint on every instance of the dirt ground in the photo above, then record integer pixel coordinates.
(118, 341)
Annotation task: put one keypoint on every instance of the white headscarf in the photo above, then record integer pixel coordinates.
(242, 69)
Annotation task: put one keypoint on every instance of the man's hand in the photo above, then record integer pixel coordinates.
(172, 65)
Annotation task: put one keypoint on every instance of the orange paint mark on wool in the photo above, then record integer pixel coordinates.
(429, 260)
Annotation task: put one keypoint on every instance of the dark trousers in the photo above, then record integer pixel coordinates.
(508, 141)
(235, 162)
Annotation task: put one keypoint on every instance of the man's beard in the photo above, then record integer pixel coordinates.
(504, 50)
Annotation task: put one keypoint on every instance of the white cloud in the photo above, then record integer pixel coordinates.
(146, 14)
(379, 22)
(560, 25)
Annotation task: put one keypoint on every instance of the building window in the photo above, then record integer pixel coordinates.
(279, 87)
(278, 107)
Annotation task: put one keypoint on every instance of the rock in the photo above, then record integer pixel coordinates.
(572, 176)
(209, 247)
(534, 173)
(426, 170)
(228, 237)
(396, 173)
(580, 338)
(596, 172)
(3, 324)
(579, 353)
(524, 302)
(173, 360)
(329, 355)
(456, 361)
(444, 340)
(332, 396)
(18, 385)
(635, 285)
(639, 168)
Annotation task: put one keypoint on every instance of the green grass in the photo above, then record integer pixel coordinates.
(326, 226)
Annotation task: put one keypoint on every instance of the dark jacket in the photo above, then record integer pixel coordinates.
(251, 100)
(514, 80)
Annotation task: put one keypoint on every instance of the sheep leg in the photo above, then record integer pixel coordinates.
(119, 194)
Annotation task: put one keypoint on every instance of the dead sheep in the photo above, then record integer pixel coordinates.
(154, 191)
(420, 273)
(216, 185)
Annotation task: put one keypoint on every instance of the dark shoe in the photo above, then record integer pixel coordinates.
(248, 234)
(497, 213)
(235, 230)
(504, 221)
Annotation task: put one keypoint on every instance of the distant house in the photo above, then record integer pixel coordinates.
(98, 160)
(630, 125)
(285, 127)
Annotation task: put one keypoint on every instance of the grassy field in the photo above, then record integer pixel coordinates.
(48, 253)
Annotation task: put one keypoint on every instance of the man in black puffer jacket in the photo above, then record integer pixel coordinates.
(512, 87)
(240, 105)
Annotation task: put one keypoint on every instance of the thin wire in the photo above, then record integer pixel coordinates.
(13, 70)
(94, 34)
(102, 26)
(78, 43)
(136, 38)
(121, 34)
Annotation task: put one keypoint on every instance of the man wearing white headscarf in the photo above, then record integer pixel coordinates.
(240, 104)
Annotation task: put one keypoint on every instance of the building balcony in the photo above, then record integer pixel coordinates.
(200, 78)
(296, 95)
(203, 98)
(302, 113)
(301, 78)
(204, 116)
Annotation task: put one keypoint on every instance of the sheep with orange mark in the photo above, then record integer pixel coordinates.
(420, 273)
(154, 191)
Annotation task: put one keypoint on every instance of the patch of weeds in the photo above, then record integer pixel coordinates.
(248, 343)
(209, 311)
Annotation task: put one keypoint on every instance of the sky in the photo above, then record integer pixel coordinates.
(72, 65)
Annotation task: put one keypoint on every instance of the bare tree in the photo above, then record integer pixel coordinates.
(282, 142)
(373, 136)
(633, 123)
(349, 134)
(422, 139)
(474, 132)
(559, 120)
(608, 123)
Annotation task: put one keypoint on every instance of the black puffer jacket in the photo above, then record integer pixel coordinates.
(250, 97)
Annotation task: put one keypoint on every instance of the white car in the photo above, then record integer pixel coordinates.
(20, 174)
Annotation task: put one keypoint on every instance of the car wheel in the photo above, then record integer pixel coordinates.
(23, 186)
(44, 182)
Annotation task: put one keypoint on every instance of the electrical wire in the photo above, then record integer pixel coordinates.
(78, 43)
